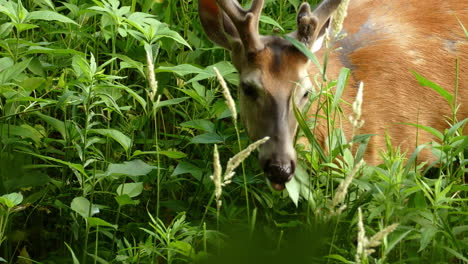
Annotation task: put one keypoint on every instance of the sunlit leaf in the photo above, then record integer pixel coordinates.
(129, 168)
(124, 199)
(83, 207)
(48, 15)
(181, 69)
(95, 221)
(268, 20)
(14, 71)
(11, 199)
(132, 189)
(118, 136)
(425, 82)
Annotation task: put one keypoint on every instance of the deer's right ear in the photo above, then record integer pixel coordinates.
(217, 25)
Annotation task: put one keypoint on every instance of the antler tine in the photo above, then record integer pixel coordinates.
(245, 21)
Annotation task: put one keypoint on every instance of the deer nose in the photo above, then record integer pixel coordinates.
(279, 172)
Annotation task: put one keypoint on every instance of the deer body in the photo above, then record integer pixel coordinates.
(387, 39)
(384, 41)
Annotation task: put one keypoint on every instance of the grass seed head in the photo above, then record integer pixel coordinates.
(365, 245)
(235, 161)
(376, 239)
(217, 170)
(342, 189)
(355, 118)
(362, 240)
(153, 84)
(227, 95)
(340, 15)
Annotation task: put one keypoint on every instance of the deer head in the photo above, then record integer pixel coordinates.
(272, 71)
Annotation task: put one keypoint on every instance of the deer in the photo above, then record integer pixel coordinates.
(384, 41)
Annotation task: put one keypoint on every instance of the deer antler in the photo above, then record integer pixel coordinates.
(245, 21)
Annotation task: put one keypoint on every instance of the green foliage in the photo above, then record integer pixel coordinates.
(99, 163)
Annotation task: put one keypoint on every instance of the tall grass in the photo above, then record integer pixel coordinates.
(109, 114)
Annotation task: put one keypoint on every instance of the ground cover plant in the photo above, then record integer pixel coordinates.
(117, 146)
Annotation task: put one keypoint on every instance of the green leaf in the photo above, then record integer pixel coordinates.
(270, 21)
(6, 63)
(132, 189)
(173, 154)
(32, 178)
(23, 27)
(310, 137)
(124, 199)
(429, 129)
(294, 188)
(200, 124)
(45, 50)
(427, 235)
(14, 71)
(170, 102)
(83, 207)
(340, 86)
(451, 131)
(81, 67)
(302, 48)
(127, 62)
(75, 260)
(338, 258)
(135, 96)
(181, 69)
(23, 131)
(118, 136)
(463, 27)
(426, 83)
(74, 166)
(55, 123)
(223, 67)
(11, 199)
(185, 167)
(392, 243)
(165, 32)
(182, 247)
(456, 254)
(412, 159)
(129, 168)
(48, 15)
(207, 138)
(95, 221)
(5, 30)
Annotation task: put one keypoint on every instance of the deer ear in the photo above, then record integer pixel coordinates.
(306, 25)
(312, 26)
(217, 25)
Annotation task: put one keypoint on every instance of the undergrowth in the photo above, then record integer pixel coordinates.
(105, 160)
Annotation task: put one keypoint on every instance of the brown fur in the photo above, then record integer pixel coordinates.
(403, 35)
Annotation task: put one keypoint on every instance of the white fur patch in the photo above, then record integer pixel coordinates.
(318, 44)
(304, 81)
(253, 78)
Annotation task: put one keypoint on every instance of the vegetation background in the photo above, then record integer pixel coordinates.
(103, 160)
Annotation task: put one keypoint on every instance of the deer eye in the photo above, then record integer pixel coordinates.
(249, 90)
(306, 94)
